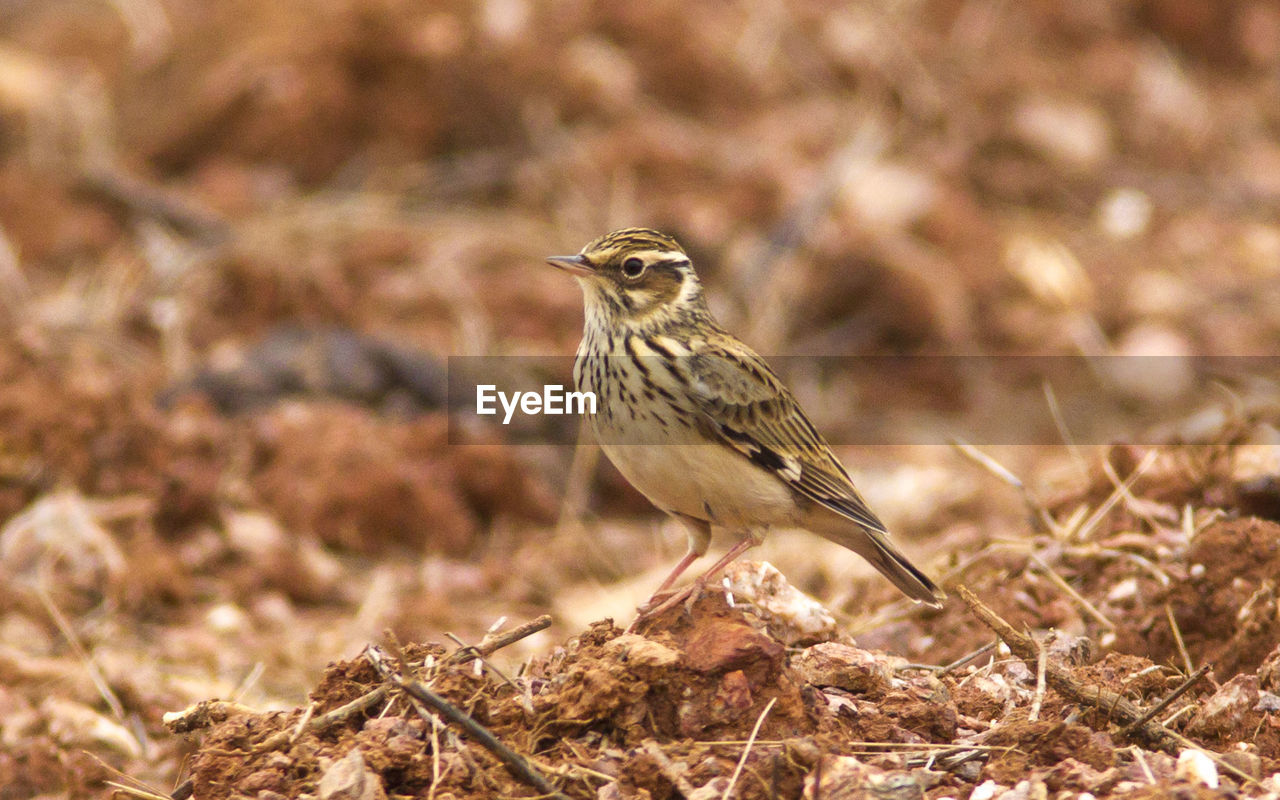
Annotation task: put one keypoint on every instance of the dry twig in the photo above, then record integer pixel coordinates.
(419, 692)
(1059, 677)
(1174, 695)
(361, 703)
(1062, 681)
(152, 201)
(493, 642)
(962, 660)
(1060, 422)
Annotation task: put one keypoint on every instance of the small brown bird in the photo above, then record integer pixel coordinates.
(697, 421)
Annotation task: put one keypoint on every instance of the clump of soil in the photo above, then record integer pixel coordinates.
(706, 697)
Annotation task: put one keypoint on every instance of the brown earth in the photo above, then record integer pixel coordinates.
(240, 244)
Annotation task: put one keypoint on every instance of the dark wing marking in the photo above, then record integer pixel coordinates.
(744, 403)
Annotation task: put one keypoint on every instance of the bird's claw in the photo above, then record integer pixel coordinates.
(695, 592)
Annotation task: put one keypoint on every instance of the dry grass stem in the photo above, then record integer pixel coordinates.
(1083, 601)
(733, 781)
(134, 791)
(1087, 527)
(1060, 422)
(1139, 508)
(250, 679)
(1042, 520)
(86, 658)
(1042, 658)
(1177, 638)
(1142, 763)
(303, 721)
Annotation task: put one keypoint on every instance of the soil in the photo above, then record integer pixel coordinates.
(247, 249)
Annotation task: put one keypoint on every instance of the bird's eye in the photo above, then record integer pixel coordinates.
(632, 267)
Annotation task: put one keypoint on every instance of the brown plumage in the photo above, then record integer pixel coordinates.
(699, 423)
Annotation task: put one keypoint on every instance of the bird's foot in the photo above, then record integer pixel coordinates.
(663, 602)
(695, 592)
(653, 602)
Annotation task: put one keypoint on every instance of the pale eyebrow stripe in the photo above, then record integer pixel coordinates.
(668, 257)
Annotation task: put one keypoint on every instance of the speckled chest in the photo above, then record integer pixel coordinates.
(650, 430)
(639, 397)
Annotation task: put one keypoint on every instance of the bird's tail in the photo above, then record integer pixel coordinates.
(876, 548)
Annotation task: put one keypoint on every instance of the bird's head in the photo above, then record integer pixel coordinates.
(634, 274)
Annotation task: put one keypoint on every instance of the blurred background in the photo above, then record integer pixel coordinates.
(239, 241)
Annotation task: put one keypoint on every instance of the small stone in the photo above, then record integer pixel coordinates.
(985, 791)
(1125, 213)
(793, 617)
(734, 692)
(969, 771)
(1247, 762)
(1048, 269)
(713, 789)
(1074, 650)
(721, 645)
(848, 778)
(888, 196)
(1230, 712)
(845, 667)
(226, 618)
(1196, 767)
(78, 726)
(636, 650)
(1153, 363)
(1073, 134)
(1126, 589)
(349, 778)
(1157, 292)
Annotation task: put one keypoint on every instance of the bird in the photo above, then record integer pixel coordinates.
(696, 420)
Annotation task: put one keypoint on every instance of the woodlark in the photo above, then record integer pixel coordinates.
(697, 421)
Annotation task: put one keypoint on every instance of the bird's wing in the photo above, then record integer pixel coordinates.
(743, 403)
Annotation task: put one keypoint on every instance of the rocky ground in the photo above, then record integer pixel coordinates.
(244, 248)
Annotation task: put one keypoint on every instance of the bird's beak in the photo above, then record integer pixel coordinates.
(574, 265)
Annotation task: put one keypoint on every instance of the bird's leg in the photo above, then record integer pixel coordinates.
(689, 557)
(694, 590)
(699, 531)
